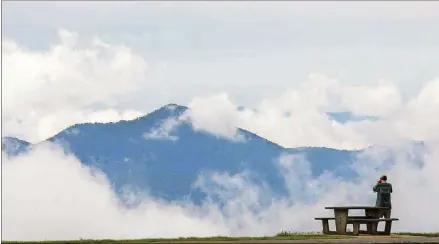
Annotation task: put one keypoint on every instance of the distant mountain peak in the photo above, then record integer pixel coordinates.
(13, 145)
(13, 139)
(167, 111)
(173, 106)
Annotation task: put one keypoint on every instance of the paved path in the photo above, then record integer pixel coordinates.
(358, 240)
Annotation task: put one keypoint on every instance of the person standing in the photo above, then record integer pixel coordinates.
(384, 191)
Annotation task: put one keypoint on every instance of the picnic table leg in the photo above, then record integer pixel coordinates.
(356, 230)
(388, 227)
(341, 220)
(325, 224)
(374, 214)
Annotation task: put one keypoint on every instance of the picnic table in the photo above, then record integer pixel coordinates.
(371, 218)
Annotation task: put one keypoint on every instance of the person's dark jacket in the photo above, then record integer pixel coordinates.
(383, 191)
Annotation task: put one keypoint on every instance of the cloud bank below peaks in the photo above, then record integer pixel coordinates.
(48, 195)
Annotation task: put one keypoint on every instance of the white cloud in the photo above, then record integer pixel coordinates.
(50, 195)
(61, 85)
(375, 100)
(219, 46)
(214, 114)
(298, 116)
(164, 130)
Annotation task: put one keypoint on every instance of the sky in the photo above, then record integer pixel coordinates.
(286, 63)
(121, 60)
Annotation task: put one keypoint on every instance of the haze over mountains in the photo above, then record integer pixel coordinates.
(164, 155)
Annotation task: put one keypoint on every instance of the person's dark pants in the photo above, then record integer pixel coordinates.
(386, 213)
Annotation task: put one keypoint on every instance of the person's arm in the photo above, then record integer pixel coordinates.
(375, 188)
(391, 189)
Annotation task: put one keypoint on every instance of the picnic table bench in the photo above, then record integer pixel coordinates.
(371, 219)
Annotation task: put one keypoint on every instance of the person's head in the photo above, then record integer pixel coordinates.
(383, 178)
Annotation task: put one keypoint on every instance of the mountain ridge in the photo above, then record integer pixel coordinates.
(168, 169)
(167, 106)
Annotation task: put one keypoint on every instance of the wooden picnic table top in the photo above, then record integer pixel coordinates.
(356, 207)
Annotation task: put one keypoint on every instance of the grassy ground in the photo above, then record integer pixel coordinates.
(279, 236)
(430, 234)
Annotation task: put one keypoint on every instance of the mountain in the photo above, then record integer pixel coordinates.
(14, 146)
(167, 165)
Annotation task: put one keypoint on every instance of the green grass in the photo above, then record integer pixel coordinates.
(428, 234)
(284, 235)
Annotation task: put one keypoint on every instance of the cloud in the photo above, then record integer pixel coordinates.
(298, 117)
(375, 100)
(164, 130)
(183, 49)
(49, 195)
(74, 81)
(209, 114)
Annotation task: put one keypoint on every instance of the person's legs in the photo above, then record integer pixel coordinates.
(381, 214)
(387, 213)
